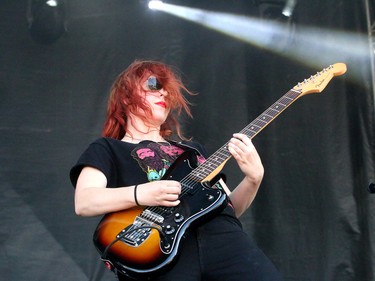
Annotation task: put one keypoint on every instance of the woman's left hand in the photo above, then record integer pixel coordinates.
(247, 157)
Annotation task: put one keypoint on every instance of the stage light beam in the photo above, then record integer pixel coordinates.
(315, 47)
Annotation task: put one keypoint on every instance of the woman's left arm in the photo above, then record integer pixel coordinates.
(248, 160)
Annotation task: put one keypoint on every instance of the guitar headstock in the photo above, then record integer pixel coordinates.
(317, 82)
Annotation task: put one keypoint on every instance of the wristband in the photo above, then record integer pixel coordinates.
(135, 195)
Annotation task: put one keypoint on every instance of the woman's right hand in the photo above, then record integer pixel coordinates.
(159, 193)
(93, 198)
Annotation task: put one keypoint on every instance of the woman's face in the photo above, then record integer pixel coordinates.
(156, 98)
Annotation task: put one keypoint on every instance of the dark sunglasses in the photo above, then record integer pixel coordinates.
(152, 84)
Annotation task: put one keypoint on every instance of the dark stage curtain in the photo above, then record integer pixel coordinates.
(313, 215)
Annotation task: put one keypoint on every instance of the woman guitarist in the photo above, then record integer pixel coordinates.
(126, 168)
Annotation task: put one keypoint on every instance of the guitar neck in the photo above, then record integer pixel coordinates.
(270, 114)
(213, 165)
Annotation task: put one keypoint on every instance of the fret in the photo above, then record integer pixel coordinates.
(198, 174)
(268, 115)
(284, 103)
(279, 104)
(253, 126)
(274, 111)
(262, 119)
(224, 155)
(290, 98)
(249, 132)
(260, 123)
(254, 129)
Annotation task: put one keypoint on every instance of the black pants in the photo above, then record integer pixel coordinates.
(221, 251)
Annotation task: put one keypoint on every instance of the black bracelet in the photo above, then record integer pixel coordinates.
(135, 195)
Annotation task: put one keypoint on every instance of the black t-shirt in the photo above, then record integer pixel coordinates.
(126, 164)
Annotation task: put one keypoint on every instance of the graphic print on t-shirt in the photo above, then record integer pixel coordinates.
(155, 158)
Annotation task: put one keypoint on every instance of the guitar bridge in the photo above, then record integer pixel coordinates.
(136, 233)
(151, 216)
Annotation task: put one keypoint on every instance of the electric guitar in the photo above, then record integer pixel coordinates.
(144, 241)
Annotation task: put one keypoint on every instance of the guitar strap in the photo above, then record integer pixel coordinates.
(188, 146)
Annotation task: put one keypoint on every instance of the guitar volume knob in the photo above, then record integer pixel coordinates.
(169, 230)
(178, 217)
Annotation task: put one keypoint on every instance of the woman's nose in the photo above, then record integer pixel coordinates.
(163, 92)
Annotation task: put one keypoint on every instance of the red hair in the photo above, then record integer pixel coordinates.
(124, 98)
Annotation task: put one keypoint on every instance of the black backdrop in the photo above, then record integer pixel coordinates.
(313, 215)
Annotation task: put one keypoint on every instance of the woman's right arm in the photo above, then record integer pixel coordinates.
(92, 198)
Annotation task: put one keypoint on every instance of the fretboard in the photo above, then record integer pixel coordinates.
(251, 130)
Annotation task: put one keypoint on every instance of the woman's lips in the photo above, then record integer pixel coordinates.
(162, 104)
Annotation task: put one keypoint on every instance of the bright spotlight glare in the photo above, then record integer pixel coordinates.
(52, 3)
(287, 13)
(155, 4)
(289, 8)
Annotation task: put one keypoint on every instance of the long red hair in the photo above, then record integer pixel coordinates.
(124, 98)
